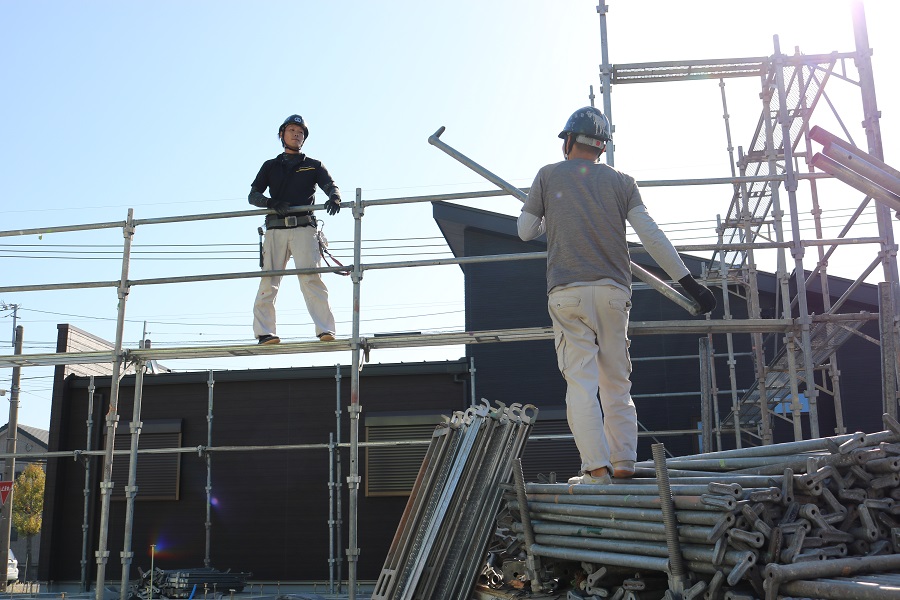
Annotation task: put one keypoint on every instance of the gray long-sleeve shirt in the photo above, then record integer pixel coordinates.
(584, 207)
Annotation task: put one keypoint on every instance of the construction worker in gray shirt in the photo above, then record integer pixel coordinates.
(583, 206)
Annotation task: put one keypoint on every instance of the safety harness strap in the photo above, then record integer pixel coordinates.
(325, 254)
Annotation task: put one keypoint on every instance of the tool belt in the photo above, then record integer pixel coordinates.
(291, 221)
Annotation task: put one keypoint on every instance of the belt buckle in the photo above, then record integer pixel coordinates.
(290, 221)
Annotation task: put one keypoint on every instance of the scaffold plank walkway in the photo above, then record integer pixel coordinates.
(391, 341)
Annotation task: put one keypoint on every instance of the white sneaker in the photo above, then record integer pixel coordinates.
(588, 479)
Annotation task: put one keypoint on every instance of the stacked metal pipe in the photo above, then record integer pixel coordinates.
(440, 543)
(185, 583)
(746, 522)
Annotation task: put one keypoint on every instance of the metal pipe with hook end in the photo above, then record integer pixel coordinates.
(646, 276)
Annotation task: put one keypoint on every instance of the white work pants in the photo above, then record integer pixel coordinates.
(590, 326)
(279, 246)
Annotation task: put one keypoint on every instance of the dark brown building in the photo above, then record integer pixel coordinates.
(269, 507)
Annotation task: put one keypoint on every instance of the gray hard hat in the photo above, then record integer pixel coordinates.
(590, 122)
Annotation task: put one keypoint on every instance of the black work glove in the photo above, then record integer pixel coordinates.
(282, 207)
(700, 293)
(333, 205)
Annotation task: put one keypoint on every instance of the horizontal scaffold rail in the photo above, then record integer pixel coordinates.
(201, 450)
(412, 340)
(385, 202)
(714, 69)
(465, 260)
(688, 69)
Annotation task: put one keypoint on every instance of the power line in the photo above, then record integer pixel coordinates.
(200, 245)
(183, 324)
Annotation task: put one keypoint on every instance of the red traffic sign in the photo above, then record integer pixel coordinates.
(5, 488)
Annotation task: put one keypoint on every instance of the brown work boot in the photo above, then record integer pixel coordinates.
(623, 469)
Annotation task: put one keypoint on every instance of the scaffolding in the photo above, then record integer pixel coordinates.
(793, 87)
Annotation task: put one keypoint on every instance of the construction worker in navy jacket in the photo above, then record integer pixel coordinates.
(291, 178)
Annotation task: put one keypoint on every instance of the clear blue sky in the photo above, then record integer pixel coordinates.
(170, 108)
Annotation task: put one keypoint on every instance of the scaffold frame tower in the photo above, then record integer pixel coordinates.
(763, 178)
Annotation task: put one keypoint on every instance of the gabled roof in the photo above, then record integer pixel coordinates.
(453, 220)
(41, 436)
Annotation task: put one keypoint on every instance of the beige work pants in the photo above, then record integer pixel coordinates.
(590, 325)
(280, 245)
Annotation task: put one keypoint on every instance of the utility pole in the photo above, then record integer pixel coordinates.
(15, 310)
(9, 464)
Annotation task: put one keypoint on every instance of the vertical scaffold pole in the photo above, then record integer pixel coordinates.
(754, 312)
(131, 487)
(888, 327)
(606, 80)
(334, 489)
(705, 394)
(207, 558)
(472, 393)
(331, 485)
(871, 123)
(745, 234)
(797, 250)
(89, 443)
(338, 505)
(112, 415)
(769, 88)
(355, 408)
